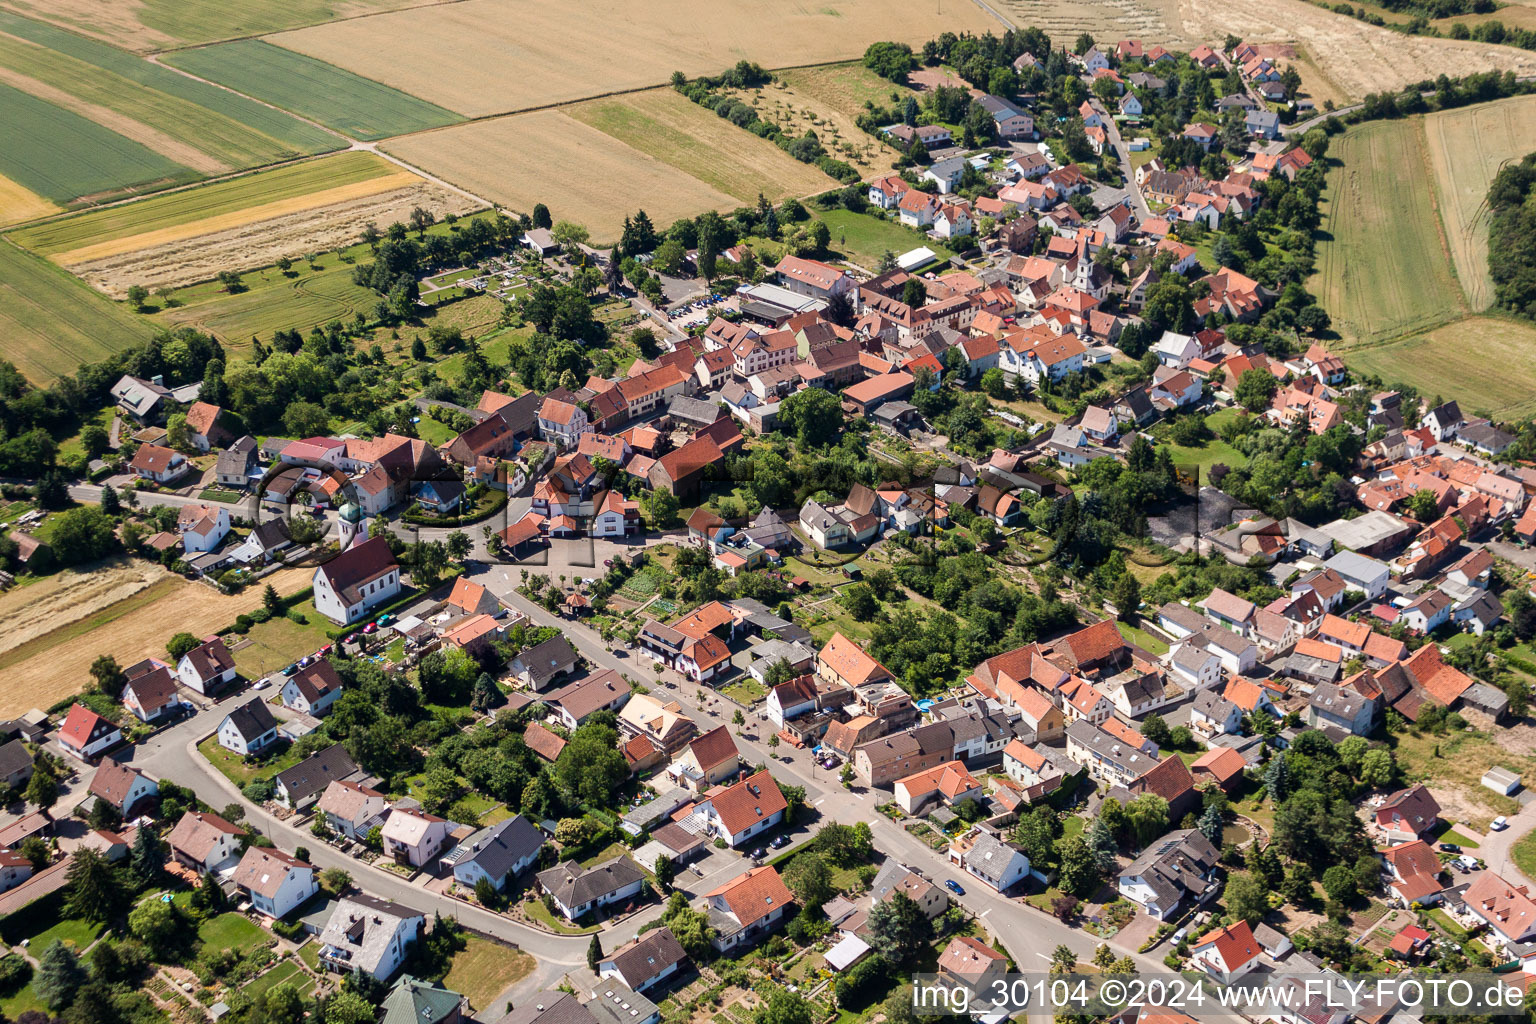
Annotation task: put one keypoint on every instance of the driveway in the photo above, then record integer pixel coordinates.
(1494, 848)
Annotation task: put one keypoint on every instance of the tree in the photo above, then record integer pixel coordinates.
(666, 870)
(814, 417)
(271, 600)
(180, 644)
(1246, 898)
(594, 953)
(110, 679)
(1125, 594)
(148, 859)
(156, 924)
(893, 61)
(1154, 728)
(348, 1007)
(1148, 815)
(282, 1004)
(784, 1007)
(110, 504)
(541, 218)
(1255, 389)
(1211, 824)
(1079, 867)
(1101, 842)
(810, 879)
(137, 294)
(1377, 767)
(59, 976)
(899, 930)
(1423, 505)
(914, 293)
(690, 927)
(1339, 884)
(95, 892)
(83, 535)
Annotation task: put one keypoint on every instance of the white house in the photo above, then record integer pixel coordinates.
(745, 809)
(1361, 573)
(414, 837)
(206, 667)
(369, 936)
(987, 857)
(351, 808)
(651, 958)
(747, 907)
(1179, 866)
(577, 890)
(249, 729)
(122, 787)
(361, 577)
(204, 841)
(278, 882)
(152, 695)
(1226, 954)
(496, 853)
(86, 734)
(313, 689)
(202, 527)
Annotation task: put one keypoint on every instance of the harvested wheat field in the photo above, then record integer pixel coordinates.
(185, 257)
(1360, 58)
(665, 124)
(17, 204)
(54, 664)
(565, 52)
(549, 157)
(1466, 149)
(1154, 22)
(146, 25)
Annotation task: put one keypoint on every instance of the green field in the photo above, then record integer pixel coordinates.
(62, 156)
(51, 322)
(231, 931)
(1383, 270)
(228, 128)
(355, 106)
(864, 238)
(197, 204)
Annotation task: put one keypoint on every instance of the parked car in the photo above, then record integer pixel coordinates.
(261, 684)
(759, 853)
(779, 842)
(1449, 848)
(1500, 823)
(954, 887)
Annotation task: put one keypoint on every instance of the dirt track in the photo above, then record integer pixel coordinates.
(260, 243)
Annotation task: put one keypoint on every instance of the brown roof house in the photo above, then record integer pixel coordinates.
(205, 841)
(277, 882)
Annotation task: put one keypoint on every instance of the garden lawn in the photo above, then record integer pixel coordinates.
(746, 691)
(76, 932)
(482, 969)
(14, 1006)
(232, 931)
(287, 971)
(863, 238)
(1140, 637)
(234, 768)
(540, 913)
(279, 642)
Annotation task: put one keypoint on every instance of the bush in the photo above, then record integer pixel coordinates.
(243, 623)
(294, 615)
(260, 615)
(14, 973)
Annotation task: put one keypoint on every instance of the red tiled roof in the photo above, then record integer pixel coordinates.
(754, 895)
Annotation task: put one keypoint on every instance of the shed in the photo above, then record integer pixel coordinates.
(1501, 780)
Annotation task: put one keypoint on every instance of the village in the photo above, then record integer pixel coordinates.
(1062, 599)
